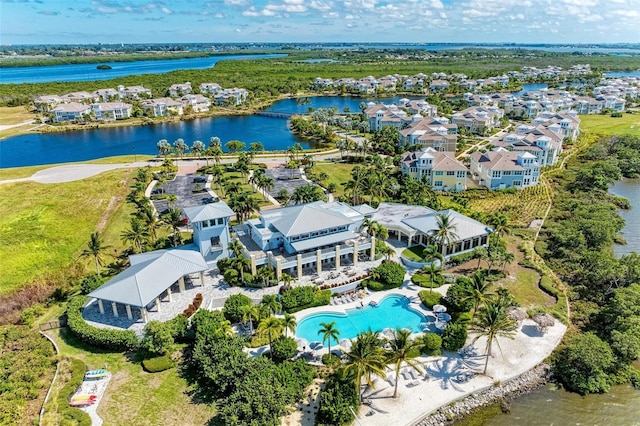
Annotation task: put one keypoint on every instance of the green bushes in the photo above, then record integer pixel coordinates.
(429, 298)
(425, 281)
(336, 399)
(90, 283)
(158, 338)
(284, 348)
(117, 340)
(157, 364)
(304, 297)
(71, 415)
(431, 344)
(456, 299)
(454, 336)
(234, 307)
(546, 284)
(386, 276)
(330, 360)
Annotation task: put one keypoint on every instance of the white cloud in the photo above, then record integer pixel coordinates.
(166, 10)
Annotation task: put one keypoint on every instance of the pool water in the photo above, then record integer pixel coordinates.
(392, 312)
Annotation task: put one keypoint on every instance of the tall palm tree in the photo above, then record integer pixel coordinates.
(500, 224)
(173, 218)
(96, 249)
(235, 247)
(271, 302)
(478, 292)
(386, 250)
(271, 326)
(243, 204)
(365, 359)
(241, 263)
(507, 258)
(355, 186)
(249, 314)
(181, 147)
(198, 148)
(329, 331)
(164, 148)
(137, 235)
(445, 234)
(493, 322)
(287, 279)
(215, 152)
(399, 348)
(265, 274)
(434, 274)
(289, 323)
(150, 219)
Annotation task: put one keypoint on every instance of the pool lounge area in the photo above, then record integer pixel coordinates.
(392, 311)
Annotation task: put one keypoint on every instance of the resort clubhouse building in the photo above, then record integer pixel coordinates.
(298, 240)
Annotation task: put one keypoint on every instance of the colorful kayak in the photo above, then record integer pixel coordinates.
(82, 403)
(84, 397)
(95, 374)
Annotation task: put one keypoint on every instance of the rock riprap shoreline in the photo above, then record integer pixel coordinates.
(520, 385)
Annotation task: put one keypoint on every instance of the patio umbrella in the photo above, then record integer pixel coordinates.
(439, 309)
(444, 317)
(302, 343)
(346, 344)
(544, 321)
(314, 345)
(517, 314)
(387, 333)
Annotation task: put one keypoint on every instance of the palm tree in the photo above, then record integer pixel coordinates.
(445, 235)
(399, 347)
(235, 247)
(329, 331)
(164, 148)
(430, 253)
(365, 359)
(173, 218)
(224, 328)
(198, 148)
(150, 219)
(287, 279)
(434, 274)
(271, 326)
(181, 147)
(386, 250)
(500, 224)
(271, 302)
(482, 254)
(250, 313)
(241, 263)
(95, 248)
(216, 153)
(243, 204)
(289, 323)
(137, 235)
(493, 322)
(507, 258)
(478, 292)
(265, 274)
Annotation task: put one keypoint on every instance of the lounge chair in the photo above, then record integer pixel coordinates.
(391, 380)
(413, 374)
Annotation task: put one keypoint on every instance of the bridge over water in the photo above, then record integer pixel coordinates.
(274, 114)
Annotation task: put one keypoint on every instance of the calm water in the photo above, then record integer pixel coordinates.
(51, 148)
(301, 106)
(392, 312)
(623, 74)
(629, 189)
(549, 407)
(88, 72)
(531, 88)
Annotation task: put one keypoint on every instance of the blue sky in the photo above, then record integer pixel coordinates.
(132, 21)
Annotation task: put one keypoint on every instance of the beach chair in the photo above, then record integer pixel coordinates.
(391, 380)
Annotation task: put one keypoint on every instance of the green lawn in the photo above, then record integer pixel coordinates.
(237, 177)
(413, 253)
(43, 227)
(338, 174)
(134, 396)
(628, 124)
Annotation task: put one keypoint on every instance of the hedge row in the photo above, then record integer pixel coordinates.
(72, 415)
(374, 285)
(304, 297)
(117, 340)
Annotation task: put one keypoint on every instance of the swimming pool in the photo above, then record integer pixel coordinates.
(392, 312)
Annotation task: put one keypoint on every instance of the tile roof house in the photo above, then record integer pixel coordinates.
(47, 103)
(478, 119)
(500, 169)
(82, 97)
(181, 89)
(134, 92)
(198, 103)
(107, 111)
(430, 132)
(439, 170)
(161, 107)
(210, 88)
(71, 111)
(107, 95)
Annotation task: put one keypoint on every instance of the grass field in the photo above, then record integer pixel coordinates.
(134, 396)
(338, 173)
(14, 115)
(43, 227)
(628, 124)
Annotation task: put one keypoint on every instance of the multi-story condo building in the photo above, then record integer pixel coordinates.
(439, 170)
(71, 111)
(500, 169)
(106, 111)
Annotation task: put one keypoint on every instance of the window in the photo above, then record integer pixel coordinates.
(507, 173)
(439, 173)
(495, 174)
(462, 174)
(215, 241)
(518, 173)
(437, 183)
(220, 221)
(451, 173)
(205, 224)
(517, 183)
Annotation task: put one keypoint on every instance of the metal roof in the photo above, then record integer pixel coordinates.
(208, 211)
(465, 227)
(323, 240)
(150, 274)
(305, 218)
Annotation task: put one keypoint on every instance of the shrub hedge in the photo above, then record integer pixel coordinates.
(72, 415)
(425, 281)
(117, 340)
(454, 336)
(157, 364)
(234, 306)
(304, 297)
(429, 298)
(284, 348)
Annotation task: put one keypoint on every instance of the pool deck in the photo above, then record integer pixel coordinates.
(438, 385)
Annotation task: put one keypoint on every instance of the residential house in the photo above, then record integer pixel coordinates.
(566, 125)
(440, 170)
(478, 119)
(210, 88)
(161, 107)
(233, 96)
(46, 103)
(381, 115)
(81, 97)
(107, 111)
(134, 92)
(429, 132)
(198, 103)
(420, 106)
(71, 111)
(107, 95)
(439, 85)
(176, 90)
(500, 169)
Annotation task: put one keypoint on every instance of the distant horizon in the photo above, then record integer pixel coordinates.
(26, 22)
